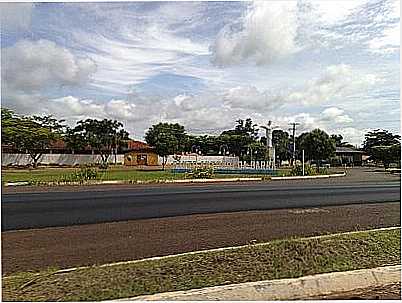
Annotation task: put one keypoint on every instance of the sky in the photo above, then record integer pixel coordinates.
(332, 65)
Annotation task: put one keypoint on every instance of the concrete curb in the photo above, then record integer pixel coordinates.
(213, 180)
(16, 183)
(183, 180)
(308, 177)
(286, 289)
(141, 182)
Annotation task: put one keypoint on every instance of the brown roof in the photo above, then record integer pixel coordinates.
(58, 144)
(138, 145)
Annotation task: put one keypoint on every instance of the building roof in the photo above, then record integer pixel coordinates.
(133, 145)
(347, 150)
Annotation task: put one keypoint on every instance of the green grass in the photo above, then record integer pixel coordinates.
(278, 259)
(55, 174)
(114, 173)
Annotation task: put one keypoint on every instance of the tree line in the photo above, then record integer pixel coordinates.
(34, 134)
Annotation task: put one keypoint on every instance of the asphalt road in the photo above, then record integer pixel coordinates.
(50, 209)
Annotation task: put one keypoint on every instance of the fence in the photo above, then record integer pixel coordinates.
(186, 161)
(57, 159)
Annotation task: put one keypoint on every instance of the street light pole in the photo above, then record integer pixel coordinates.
(294, 142)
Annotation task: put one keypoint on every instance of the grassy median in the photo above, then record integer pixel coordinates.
(113, 173)
(275, 260)
(41, 175)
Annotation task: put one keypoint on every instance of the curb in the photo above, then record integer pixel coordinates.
(308, 177)
(285, 289)
(186, 180)
(142, 181)
(213, 180)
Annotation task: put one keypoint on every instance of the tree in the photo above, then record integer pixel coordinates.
(31, 134)
(255, 151)
(317, 145)
(167, 139)
(338, 139)
(208, 145)
(387, 154)
(280, 140)
(74, 140)
(247, 128)
(379, 138)
(239, 138)
(103, 136)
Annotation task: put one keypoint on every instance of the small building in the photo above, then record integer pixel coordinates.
(348, 156)
(140, 154)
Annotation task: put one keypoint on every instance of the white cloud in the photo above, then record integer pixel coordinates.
(35, 65)
(337, 81)
(16, 16)
(251, 98)
(388, 43)
(266, 33)
(352, 135)
(332, 12)
(134, 54)
(336, 115)
(73, 107)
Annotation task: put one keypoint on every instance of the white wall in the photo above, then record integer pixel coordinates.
(192, 159)
(60, 159)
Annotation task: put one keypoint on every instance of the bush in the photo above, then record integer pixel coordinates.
(298, 171)
(308, 171)
(200, 173)
(324, 171)
(82, 175)
(103, 166)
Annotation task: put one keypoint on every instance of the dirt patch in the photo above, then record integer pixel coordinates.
(386, 292)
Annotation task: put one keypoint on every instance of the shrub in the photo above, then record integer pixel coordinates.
(103, 166)
(298, 171)
(324, 171)
(200, 173)
(82, 175)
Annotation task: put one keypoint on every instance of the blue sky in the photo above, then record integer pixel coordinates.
(327, 64)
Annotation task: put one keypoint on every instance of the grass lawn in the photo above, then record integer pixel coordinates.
(113, 173)
(274, 260)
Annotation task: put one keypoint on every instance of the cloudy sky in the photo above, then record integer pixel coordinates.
(327, 64)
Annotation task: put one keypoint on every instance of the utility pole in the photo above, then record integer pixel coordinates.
(294, 141)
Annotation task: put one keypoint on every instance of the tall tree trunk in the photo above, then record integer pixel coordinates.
(35, 158)
(104, 158)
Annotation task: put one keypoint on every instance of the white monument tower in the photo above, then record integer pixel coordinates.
(270, 148)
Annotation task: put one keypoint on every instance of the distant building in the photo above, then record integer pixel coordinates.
(140, 154)
(348, 156)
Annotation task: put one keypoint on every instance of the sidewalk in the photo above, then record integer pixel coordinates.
(362, 283)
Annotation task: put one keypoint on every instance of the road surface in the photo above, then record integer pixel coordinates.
(50, 209)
